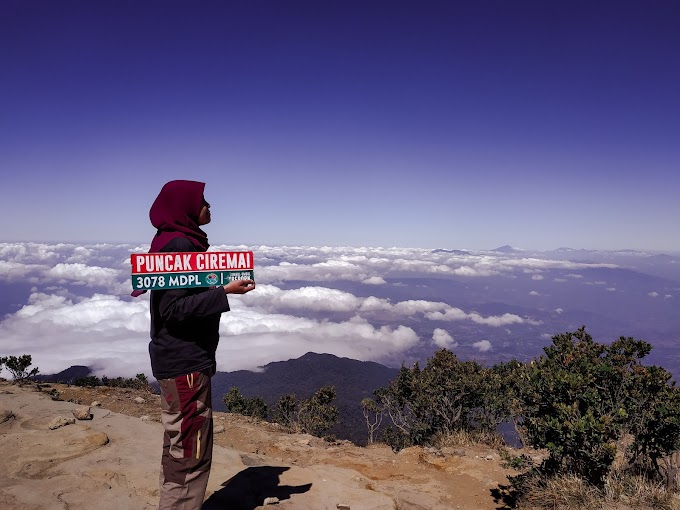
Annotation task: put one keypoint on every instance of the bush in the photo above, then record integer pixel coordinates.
(19, 367)
(447, 396)
(238, 404)
(89, 381)
(581, 396)
(139, 382)
(314, 415)
(655, 424)
(286, 409)
(395, 438)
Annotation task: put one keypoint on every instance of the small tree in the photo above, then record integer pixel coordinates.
(142, 381)
(373, 415)
(316, 414)
(286, 409)
(238, 404)
(18, 367)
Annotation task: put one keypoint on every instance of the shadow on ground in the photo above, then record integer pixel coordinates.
(505, 495)
(248, 489)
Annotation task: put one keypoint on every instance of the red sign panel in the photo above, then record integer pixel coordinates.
(150, 263)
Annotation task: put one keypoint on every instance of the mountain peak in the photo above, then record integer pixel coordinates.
(507, 249)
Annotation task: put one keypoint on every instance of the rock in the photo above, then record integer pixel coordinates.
(218, 430)
(139, 400)
(82, 413)
(60, 421)
(271, 501)
(304, 442)
(489, 457)
(458, 452)
(342, 506)
(6, 416)
(96, 403)
(145, 418)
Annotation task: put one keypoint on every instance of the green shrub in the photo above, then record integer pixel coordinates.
(286, 409)
(314, 415)
(238, 404)
(89, 381)
(581, 396)
(395, 438)
(446, 396)
(139, 382)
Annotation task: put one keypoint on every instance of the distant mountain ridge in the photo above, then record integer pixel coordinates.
(353, 380)
(67, 376)
(507, 249)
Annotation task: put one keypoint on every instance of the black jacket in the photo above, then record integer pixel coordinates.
(185, 325)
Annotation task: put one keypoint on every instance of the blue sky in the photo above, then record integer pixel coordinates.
(431, 124)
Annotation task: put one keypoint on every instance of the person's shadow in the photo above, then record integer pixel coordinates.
(249, 488)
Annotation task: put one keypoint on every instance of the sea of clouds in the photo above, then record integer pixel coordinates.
(71, 304)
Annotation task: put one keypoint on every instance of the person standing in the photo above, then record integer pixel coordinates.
(184, 337)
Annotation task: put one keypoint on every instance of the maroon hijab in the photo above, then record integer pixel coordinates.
(175, 213)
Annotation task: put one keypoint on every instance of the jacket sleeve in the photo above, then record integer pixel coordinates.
(181, 304)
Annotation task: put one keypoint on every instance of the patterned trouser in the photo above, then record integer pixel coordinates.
(186, 407)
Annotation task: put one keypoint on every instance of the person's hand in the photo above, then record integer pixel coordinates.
(239, 286)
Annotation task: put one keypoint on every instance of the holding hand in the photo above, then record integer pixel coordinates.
(239, 287)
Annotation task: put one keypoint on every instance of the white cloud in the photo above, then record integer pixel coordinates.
(61, 328)
(111, 335)
(668, 296)
(482, 345)
(14, 271)
(91, 276)
(374, 280)
(412, 307)
(449, 314)
(500, 320)
(251, 338)
(653, 294)
(559, 310)
(443, 339)
(102, 332)
(271, 299)
(534, 293)
(611, 289)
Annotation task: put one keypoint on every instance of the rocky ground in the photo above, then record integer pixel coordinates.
(112, 461)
